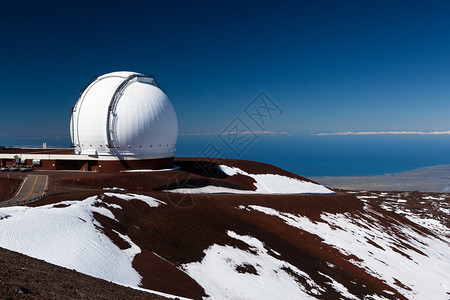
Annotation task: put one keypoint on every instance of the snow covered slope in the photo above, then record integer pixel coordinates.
(269, 252)
(228, 272)
(395, 253)
(252, 245)
(279, 184)
(264, 184)
(68, 235)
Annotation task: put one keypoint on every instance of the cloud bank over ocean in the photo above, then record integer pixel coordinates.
(446, 132)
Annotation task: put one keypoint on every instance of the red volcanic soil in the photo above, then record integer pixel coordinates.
(191, 172)
(23, 277)
(178, 233)
(7, 186)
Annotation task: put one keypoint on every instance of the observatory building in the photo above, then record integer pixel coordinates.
(121, 121)
(125, 121)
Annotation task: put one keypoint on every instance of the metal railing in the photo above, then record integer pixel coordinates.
(21, 202)
(28, 201)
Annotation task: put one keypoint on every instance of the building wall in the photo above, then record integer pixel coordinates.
(121, 165)
(8, 162)
(72, 165)
(75, 162)
(48, 165)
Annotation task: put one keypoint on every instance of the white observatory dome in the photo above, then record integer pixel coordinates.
(124, 114)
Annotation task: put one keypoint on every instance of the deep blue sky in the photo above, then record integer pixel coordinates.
(330, 65)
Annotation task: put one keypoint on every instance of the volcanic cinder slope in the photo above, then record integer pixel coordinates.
(230, 229)
(7, 186)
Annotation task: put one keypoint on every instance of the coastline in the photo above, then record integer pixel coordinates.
(433, 179)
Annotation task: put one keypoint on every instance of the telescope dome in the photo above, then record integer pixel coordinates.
(124, 114)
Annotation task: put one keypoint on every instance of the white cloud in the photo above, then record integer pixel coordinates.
(236, 132)
(385, 133)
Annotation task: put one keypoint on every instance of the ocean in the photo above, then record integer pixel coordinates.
(311, 155)
(306, 154)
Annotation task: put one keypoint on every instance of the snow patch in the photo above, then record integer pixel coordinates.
(397, 252)
(115, 189)
(264, 183)
(278, 184)
(367, 197)
(230, 171)
(267, 278)
(152, 202)
(209, 189)
(69, 237)
(431, 224)
(150, 170)
(133, 250)
(445, 210)
(433, 198)
(338, 287)
(427, 217)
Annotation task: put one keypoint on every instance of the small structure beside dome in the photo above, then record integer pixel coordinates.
(121, 121)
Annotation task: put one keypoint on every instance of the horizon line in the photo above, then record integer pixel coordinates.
(314, 133)
(404, 132)
(234, 132)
